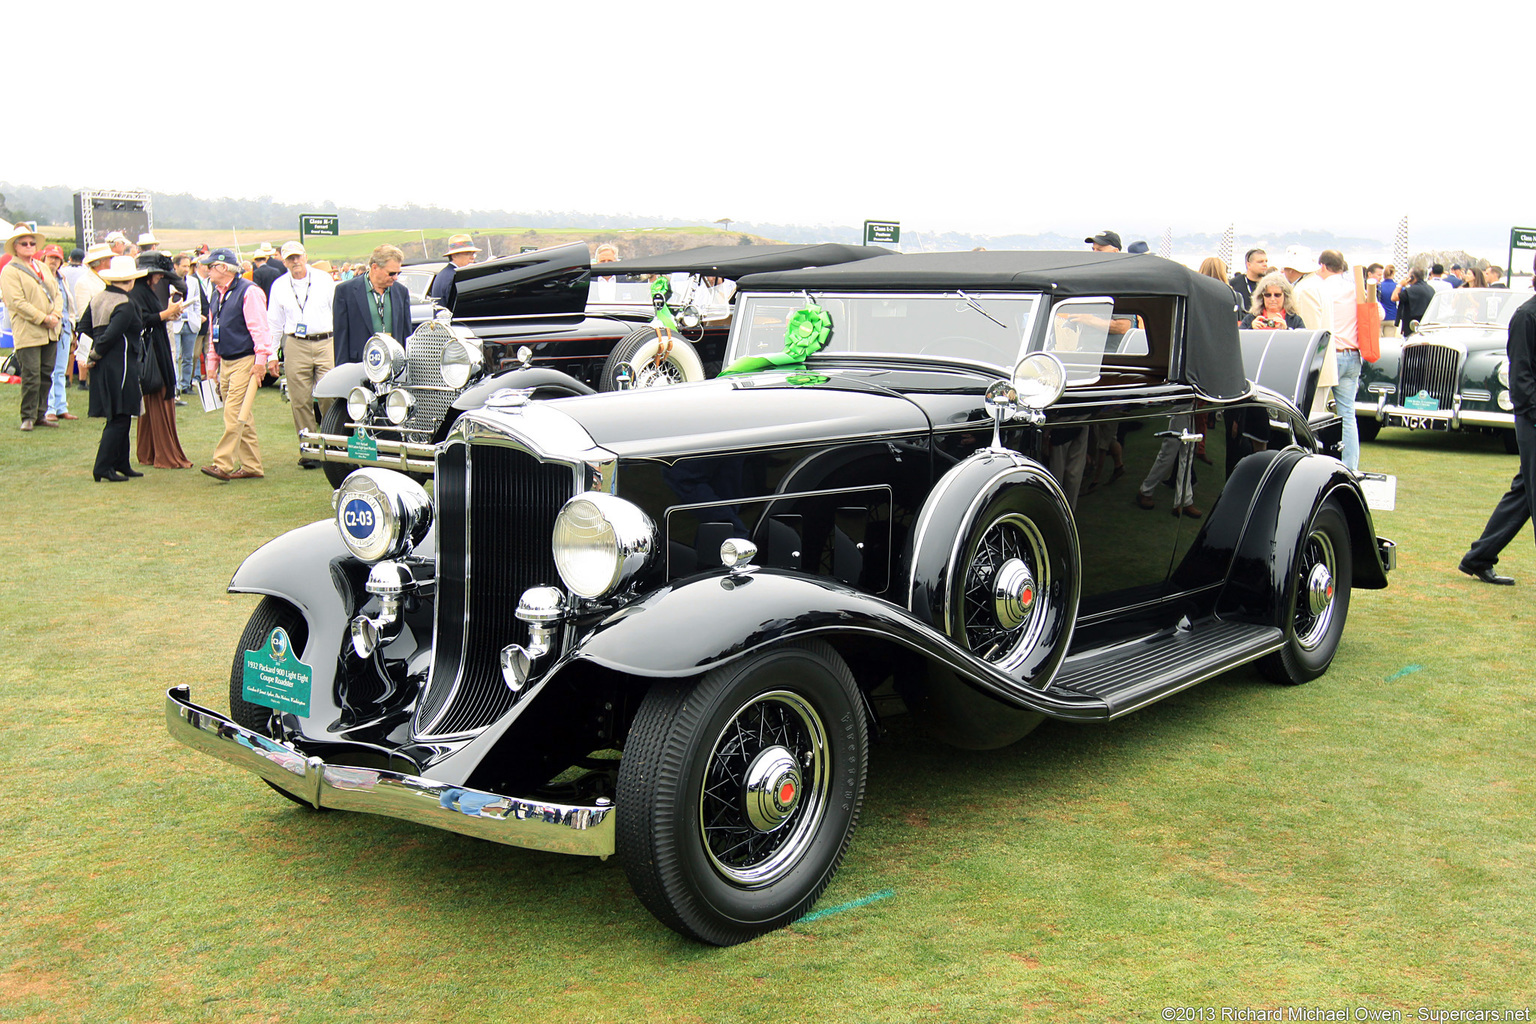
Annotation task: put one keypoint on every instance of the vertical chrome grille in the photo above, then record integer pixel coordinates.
(1432, 368)
(496, 512)
(424, 376)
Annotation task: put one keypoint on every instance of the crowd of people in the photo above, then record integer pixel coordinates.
(140, 329)
(1307, 293)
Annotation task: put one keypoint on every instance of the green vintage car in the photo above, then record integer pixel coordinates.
(1451, 374)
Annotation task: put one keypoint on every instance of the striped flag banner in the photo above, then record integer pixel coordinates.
(1400, 249)
(1165, 247)
(1227, 241)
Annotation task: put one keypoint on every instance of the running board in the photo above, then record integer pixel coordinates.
(1133, 675)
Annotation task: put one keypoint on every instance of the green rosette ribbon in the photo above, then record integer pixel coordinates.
(661, 293)
(805, 333)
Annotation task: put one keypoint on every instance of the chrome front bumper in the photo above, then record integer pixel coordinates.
(406, 456)
(558, 828)
(1453, 418)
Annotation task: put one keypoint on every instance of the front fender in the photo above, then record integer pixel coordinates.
(312, 570)
(541, 378)
(339, 382)
(660, 636)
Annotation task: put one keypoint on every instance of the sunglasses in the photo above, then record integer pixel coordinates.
(1274, 295)
(30, 244)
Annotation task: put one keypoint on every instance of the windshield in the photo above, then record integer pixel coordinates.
(1491, 306)
(988, 329)
(418, 279)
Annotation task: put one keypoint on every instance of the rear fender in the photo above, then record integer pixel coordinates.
(1295, 486)
(660, 636)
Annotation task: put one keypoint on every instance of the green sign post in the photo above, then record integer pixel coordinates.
(882, 232)
(1519, 238)
(327, 224)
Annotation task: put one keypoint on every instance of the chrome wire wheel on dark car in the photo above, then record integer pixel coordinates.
(765, 789)
(1317, 600)
(1005, 583)
(739, 792)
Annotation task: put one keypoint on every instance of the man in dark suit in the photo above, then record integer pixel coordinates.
(1518, 506)
(267, 269)
(1412, 300)
(372, 303)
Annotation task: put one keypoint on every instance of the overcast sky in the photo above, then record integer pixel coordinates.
(987, 118)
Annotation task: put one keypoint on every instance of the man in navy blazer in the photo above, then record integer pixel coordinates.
(374, 303)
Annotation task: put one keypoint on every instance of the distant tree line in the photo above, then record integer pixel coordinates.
(54, 204)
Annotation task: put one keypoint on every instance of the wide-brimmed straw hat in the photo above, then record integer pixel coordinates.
(98, 251)
(19, 232)
(264, 251)
(122, 268)
(460, 243)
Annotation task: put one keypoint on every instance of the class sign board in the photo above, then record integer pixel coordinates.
(327, 224)
(882, 232)
(275, 678)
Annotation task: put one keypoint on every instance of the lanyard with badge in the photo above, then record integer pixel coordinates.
(300, 329)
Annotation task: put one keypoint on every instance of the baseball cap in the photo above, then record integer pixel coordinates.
(224, 256)
(1104, 238)
(292, 249)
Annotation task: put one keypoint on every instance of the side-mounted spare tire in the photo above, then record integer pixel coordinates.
(660, 357)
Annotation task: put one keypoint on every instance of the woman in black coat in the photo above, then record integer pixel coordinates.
(113, 324)
(159, 445)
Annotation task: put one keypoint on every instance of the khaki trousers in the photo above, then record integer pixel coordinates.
(238, 449)
(305, 361)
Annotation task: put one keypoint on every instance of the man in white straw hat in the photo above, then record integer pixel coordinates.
(89, 285)
(461, 253)
(148, 242)
(265, 269)
(36, 307)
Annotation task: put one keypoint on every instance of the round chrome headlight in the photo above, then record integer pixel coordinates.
(381, 514)
(601, 542)
(383, 358)
(1504, 372)
(359, 401)
(462, 361)
(1039, 380)
(1505, 402)
(398, 405)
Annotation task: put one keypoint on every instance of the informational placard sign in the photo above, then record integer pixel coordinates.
(327, 224)
(361, 446)
(882, 232)
(1519, 238)
(275, 678)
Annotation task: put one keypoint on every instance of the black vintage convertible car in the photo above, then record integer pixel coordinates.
(516, 319)
(988, 488)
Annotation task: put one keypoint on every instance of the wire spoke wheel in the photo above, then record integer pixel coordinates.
(1317, 600)
(1003, 608)
(739, 792)
(765, 789)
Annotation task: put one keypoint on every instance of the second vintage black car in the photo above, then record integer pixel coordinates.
(541, 320)
(989, 488)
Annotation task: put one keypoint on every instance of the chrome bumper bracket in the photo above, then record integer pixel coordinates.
(585, 830)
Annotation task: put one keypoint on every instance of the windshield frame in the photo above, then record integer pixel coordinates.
(741, 327)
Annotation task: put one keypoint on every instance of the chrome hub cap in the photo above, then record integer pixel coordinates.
(1319, 589)
(1013, 593)
(772, 789)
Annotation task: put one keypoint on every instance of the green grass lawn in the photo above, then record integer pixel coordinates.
(1364, 841)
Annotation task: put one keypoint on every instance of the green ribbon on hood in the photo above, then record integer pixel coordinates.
(806, 332)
